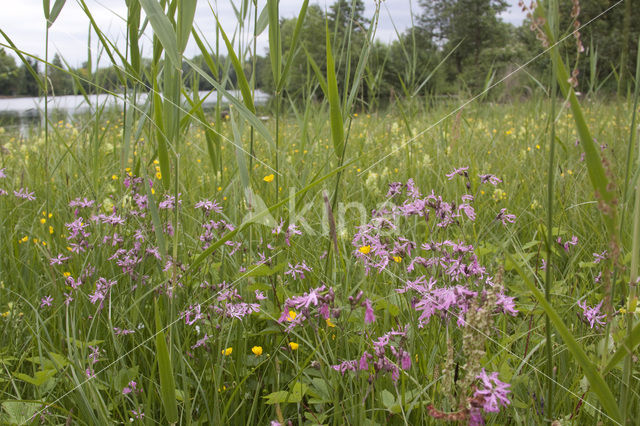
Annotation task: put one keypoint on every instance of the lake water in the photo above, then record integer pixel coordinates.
(25, 112)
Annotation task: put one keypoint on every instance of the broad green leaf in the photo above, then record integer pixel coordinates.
(240, 107)
(283, 397)
(237, 66)
(165, 370)
(335, 111)
(275, 45)
(262, 271)
(597, 174)
(163, 29)
(596, 381)
(263, 20)
(627, 346)
(186, 13)
(20, 412)
(57, 7)
(40, 377)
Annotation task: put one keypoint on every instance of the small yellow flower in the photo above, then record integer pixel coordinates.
(43, 221)
(397, 259)
(294, 346)
(50, 229)
(329, 323)
(158, 175)
(257, 350)
(364, 249)
(292, 315)
(268, 178)
(114, 177)
(66, 274)
(24, 239)
(227, 352)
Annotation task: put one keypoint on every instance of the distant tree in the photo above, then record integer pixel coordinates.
(27, 84)
(344, 13)
(59, 79)
(8, 74)
(469, 26)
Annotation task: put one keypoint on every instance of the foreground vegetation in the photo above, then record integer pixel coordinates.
(319, 262)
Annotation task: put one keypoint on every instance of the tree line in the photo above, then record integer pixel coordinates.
(452, 46)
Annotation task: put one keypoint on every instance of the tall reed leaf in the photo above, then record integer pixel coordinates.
(243, 83)
(294, 44)
(596, 380)
(186, 13)
(275, 47)
(52, 14)
(163, 30)
(167, 382)
(335, 111)
(244, 112)
(596, 171)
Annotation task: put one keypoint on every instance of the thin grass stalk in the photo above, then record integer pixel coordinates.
(553, 23)
(548, 283)
(627, 368)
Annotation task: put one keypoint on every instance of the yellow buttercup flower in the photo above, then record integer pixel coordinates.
(294, 346)
(257, 350)
(365, 249)
(268, 178)
(397, 259)
(227, 352)
(329, 323)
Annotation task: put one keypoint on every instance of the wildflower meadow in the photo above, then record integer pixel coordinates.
(317, 260)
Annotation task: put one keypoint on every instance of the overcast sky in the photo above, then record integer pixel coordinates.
(23, 21)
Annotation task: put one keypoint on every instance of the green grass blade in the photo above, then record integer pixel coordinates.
(243, 83)
(335, 111)
(263, 21)
(165, 370)
(598, 385)
(275, 46)
(163, 29)
(186, 13)
(55, 11)
(133, 25)
(294, 45)
(240, 107)
(318, 73)
(627, 346)
(595, 169)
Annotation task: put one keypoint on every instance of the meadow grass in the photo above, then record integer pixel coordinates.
(325, 265)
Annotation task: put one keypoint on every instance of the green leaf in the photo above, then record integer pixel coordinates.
(627, 346)
(294, 44)
(263, 21)
(20, 412)
(240, 107)
(335, 111)
(57, 7)
(186, 13)
(167, 383)
(40, 377)
(237, 66)
(163, 29)
(275, 46)
(262, 271)
(598, 385)
(293, 396)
